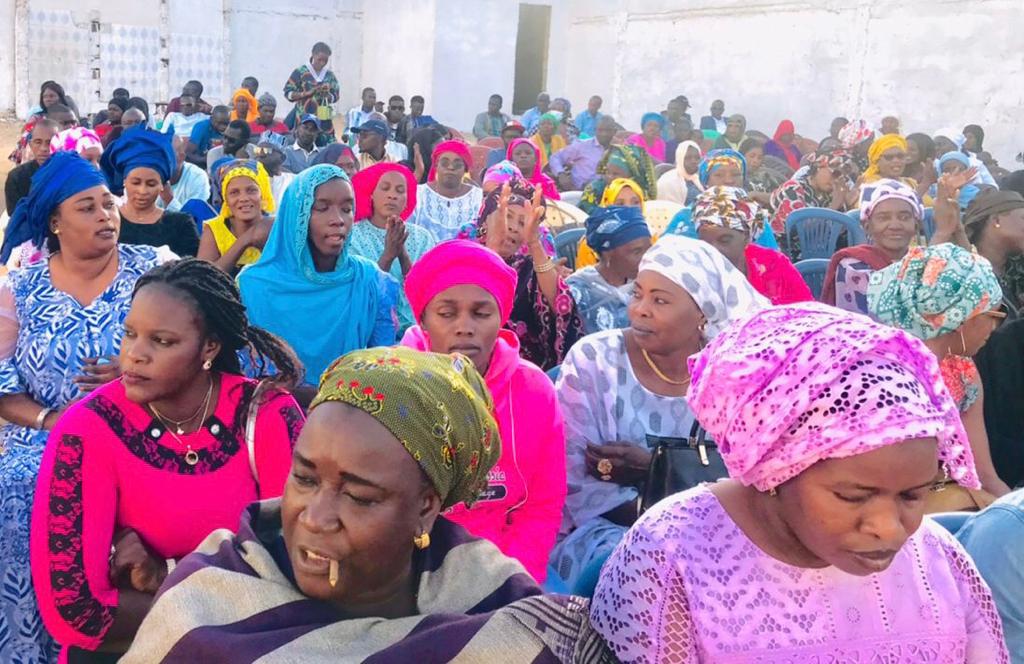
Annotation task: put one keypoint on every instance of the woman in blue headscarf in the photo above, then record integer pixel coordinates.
(140, 164)
(720, 168)
(620, 237)
(61, 322)
(307, 288)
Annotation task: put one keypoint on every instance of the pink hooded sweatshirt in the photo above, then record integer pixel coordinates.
(521, 511)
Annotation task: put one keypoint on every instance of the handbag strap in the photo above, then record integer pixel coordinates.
(250, 430)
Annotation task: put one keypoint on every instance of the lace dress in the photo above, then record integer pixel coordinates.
(686, 585)
(445, 217)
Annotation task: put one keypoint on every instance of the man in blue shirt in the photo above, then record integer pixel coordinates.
(993, 537)
(532, 116)
(207, 134)
(587, 121)
(300, 149)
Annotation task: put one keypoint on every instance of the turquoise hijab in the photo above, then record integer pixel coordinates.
(323, 315)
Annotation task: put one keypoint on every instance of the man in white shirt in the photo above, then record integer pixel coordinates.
(360, 114)
(184, 121)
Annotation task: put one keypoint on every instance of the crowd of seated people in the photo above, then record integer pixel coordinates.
(351, 386)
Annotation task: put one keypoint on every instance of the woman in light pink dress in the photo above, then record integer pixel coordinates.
(815, 550)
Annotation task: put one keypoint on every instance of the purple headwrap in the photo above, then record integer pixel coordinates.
(794, 385)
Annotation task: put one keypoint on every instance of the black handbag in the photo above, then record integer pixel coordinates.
(678, 464)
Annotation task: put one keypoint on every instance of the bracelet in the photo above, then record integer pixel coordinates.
(41, 418)
(546, 266)
(171, 564)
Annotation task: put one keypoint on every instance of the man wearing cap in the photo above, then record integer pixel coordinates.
(532, 117)
(373, 146)
(300, 149)
(512, 130)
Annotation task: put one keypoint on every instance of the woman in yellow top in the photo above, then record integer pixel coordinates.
(244, 106)
(547, 138)
(621, 191)
(887, 157)
(235, 237)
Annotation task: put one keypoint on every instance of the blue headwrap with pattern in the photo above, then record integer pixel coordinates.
(715, 159)
(613, 226)
(138, 147)
(62, 176)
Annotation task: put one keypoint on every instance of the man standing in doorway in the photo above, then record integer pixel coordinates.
(491, 121)
(532, 116)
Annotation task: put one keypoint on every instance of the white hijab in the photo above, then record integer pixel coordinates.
(720, 290)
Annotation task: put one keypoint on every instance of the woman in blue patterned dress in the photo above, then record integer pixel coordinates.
(60, 329)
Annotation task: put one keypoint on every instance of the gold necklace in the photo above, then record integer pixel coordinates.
(179, 426)
(658, 372)
(191, 456)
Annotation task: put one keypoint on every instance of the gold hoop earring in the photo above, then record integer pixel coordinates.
(207, 365)
(963, 342)
(421, 541)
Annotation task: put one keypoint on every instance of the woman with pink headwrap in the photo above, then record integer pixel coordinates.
(446, 202)
(462, 295)
(830, 426)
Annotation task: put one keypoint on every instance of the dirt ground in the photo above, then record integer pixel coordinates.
(8, 137)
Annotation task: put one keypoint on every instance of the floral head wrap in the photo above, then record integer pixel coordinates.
(933, 290)
(437, 406)
(716, 159)
(855, 132)
(728, 207)
(637, 162)
(502, 172)
(722, 292)
(882, 190)
(796, 384)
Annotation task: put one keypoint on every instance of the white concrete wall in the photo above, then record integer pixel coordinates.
(398, 51)
(290, 28)
(931, 62)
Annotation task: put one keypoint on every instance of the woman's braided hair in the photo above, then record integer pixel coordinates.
(215, 296)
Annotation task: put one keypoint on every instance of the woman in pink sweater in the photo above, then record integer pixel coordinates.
(138, 473)
(461, 294)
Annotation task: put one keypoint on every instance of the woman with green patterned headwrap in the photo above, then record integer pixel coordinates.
(355, 561)
(621, 161)
(949, 298)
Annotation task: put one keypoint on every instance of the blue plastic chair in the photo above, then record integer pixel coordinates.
(566, 244)
(818, 231)
(554, 372)
(813, 271)
(200, 211)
